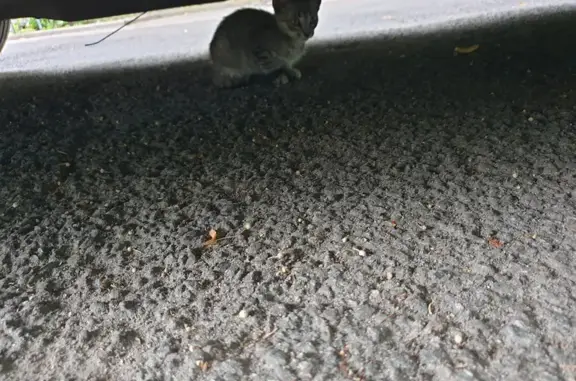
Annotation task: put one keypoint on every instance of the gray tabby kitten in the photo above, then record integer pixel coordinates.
(252, 41)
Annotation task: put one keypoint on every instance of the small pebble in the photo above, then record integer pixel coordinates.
(247, 226)
(458, 339)
(389, 275)
(243, 314)
(345, 239)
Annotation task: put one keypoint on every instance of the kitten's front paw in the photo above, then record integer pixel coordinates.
(282, 79)
(228, 82)
(287, 75)
(295, 73)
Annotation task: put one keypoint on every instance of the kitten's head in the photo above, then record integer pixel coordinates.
(298, 18)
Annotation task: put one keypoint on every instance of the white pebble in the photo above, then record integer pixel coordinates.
(247, 226)
(515, 175)
(345, 239)
(389, 275)
(458, 339)
(243, 314)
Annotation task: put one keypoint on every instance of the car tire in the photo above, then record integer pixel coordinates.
(4, 32)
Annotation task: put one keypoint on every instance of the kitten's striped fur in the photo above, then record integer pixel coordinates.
(253, 41)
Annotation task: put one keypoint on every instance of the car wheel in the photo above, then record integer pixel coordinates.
(4, 31)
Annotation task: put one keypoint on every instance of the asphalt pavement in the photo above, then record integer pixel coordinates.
(403, 212)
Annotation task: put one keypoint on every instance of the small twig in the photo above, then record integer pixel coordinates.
(263, 337)
(269, 334)
(430, 308)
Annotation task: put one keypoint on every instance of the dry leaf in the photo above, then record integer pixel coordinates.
(466, 49)
(394, 224)
(213, 235)
(203, 365)
(495, 242)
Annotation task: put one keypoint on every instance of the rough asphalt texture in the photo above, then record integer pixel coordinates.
(454, 175)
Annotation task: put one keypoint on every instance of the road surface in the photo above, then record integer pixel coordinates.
(399, 214)
(184, 36)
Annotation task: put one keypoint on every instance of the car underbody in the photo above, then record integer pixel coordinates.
(75, 10)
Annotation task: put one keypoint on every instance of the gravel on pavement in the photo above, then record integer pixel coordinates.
(401, 213)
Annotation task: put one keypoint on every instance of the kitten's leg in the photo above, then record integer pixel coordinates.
(293, 72)
(281, 79)
(286, 74)
(228, 78)
(268, 63)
